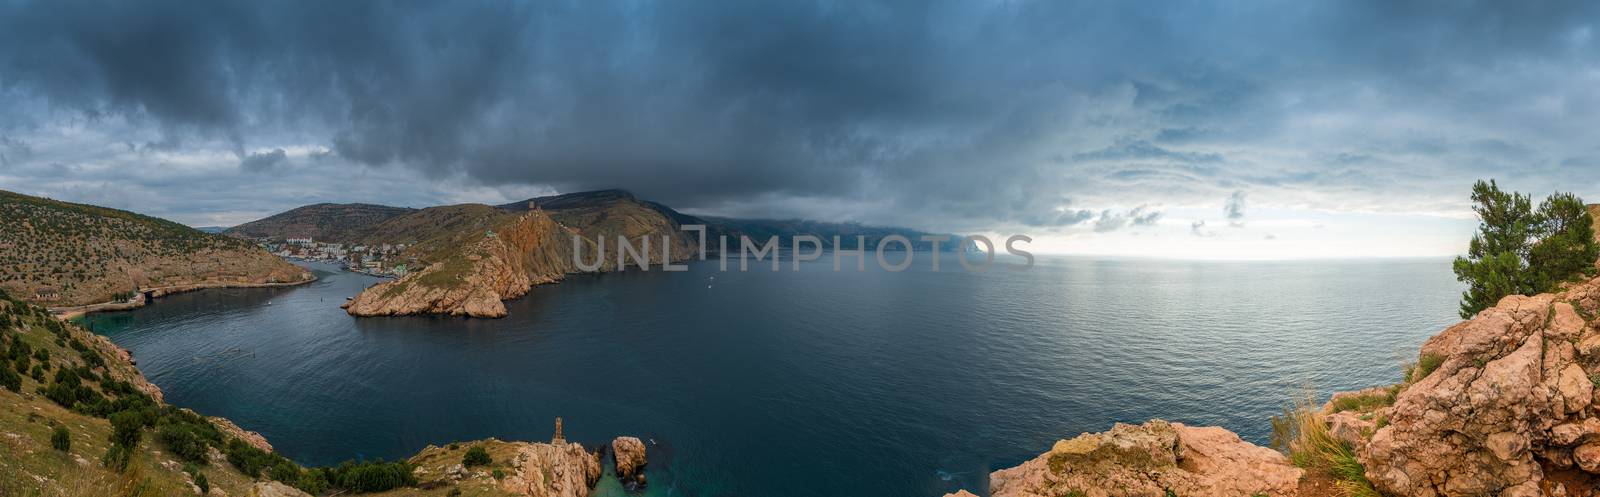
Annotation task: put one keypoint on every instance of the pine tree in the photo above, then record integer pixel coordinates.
(1493, 267)
(1566, 246)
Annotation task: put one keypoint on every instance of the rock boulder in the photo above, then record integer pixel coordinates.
(629, 454)
(1150, 460)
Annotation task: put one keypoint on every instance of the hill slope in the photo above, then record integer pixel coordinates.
(607, 214)
(466, 259)
(78, 382)
(63, 254)
(471, 257)
(323, 222)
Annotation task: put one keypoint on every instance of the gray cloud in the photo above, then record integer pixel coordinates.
(939, 114)
(1198, 228)
(1139, 216)
(1233, 209)
(263, 161)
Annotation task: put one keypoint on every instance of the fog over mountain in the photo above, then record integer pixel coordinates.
(1270, 123)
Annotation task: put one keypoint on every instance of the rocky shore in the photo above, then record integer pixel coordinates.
(298, 279)
(1501, 404)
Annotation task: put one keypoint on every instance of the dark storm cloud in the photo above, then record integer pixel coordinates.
(965, 112)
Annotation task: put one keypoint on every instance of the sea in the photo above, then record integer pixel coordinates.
(798, 382)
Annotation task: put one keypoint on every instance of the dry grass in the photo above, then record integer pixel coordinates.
(1302, 433)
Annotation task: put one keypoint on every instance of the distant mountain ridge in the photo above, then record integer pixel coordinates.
(466, 259)
(65, 254)
(327, 222)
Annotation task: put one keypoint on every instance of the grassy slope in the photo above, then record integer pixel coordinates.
(30, 467)
(88, 254)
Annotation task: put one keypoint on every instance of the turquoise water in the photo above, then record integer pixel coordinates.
(798, 384)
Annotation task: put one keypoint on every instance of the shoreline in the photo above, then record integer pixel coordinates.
(70, 312)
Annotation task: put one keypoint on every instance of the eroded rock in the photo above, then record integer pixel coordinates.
(552, 470)
(1512, 399)
(1151, 460)
(629, 455)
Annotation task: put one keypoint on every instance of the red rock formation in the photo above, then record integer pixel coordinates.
(1511, 401)
(1151, 460)
(629, 454)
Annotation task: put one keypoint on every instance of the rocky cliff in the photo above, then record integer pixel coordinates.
(1501, 404)
(1506, 403)
(1156, 459)
(473, 257)
(470, 273)
(62, 254)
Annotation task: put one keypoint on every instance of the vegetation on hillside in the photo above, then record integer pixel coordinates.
(89, 408)
(63, 253)
(323, 222)
(1522, 250)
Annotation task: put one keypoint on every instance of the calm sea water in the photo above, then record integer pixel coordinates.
(798, 384)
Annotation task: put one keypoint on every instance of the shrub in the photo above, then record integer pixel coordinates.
(284, 470)
(10, 380)
(126, 428)
(61, 439)
(200, 481)
(314, 481)
(476, 456)
(184, 441)
(247, 458)
(116, 458)
(374, 476)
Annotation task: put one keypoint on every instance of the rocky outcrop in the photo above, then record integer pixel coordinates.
(628, 454)
(491, 266)
(479, 256)
(1155, 459)
(120, 363)
(552, 470)
(275, 489)
(1510, 402)
(229, 428)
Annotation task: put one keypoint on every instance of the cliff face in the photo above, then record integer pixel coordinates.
(63, 254)
(474, 278)
(473, 257)
(1504, 404)
(602, 216)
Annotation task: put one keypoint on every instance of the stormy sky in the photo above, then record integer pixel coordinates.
(1221, 128)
